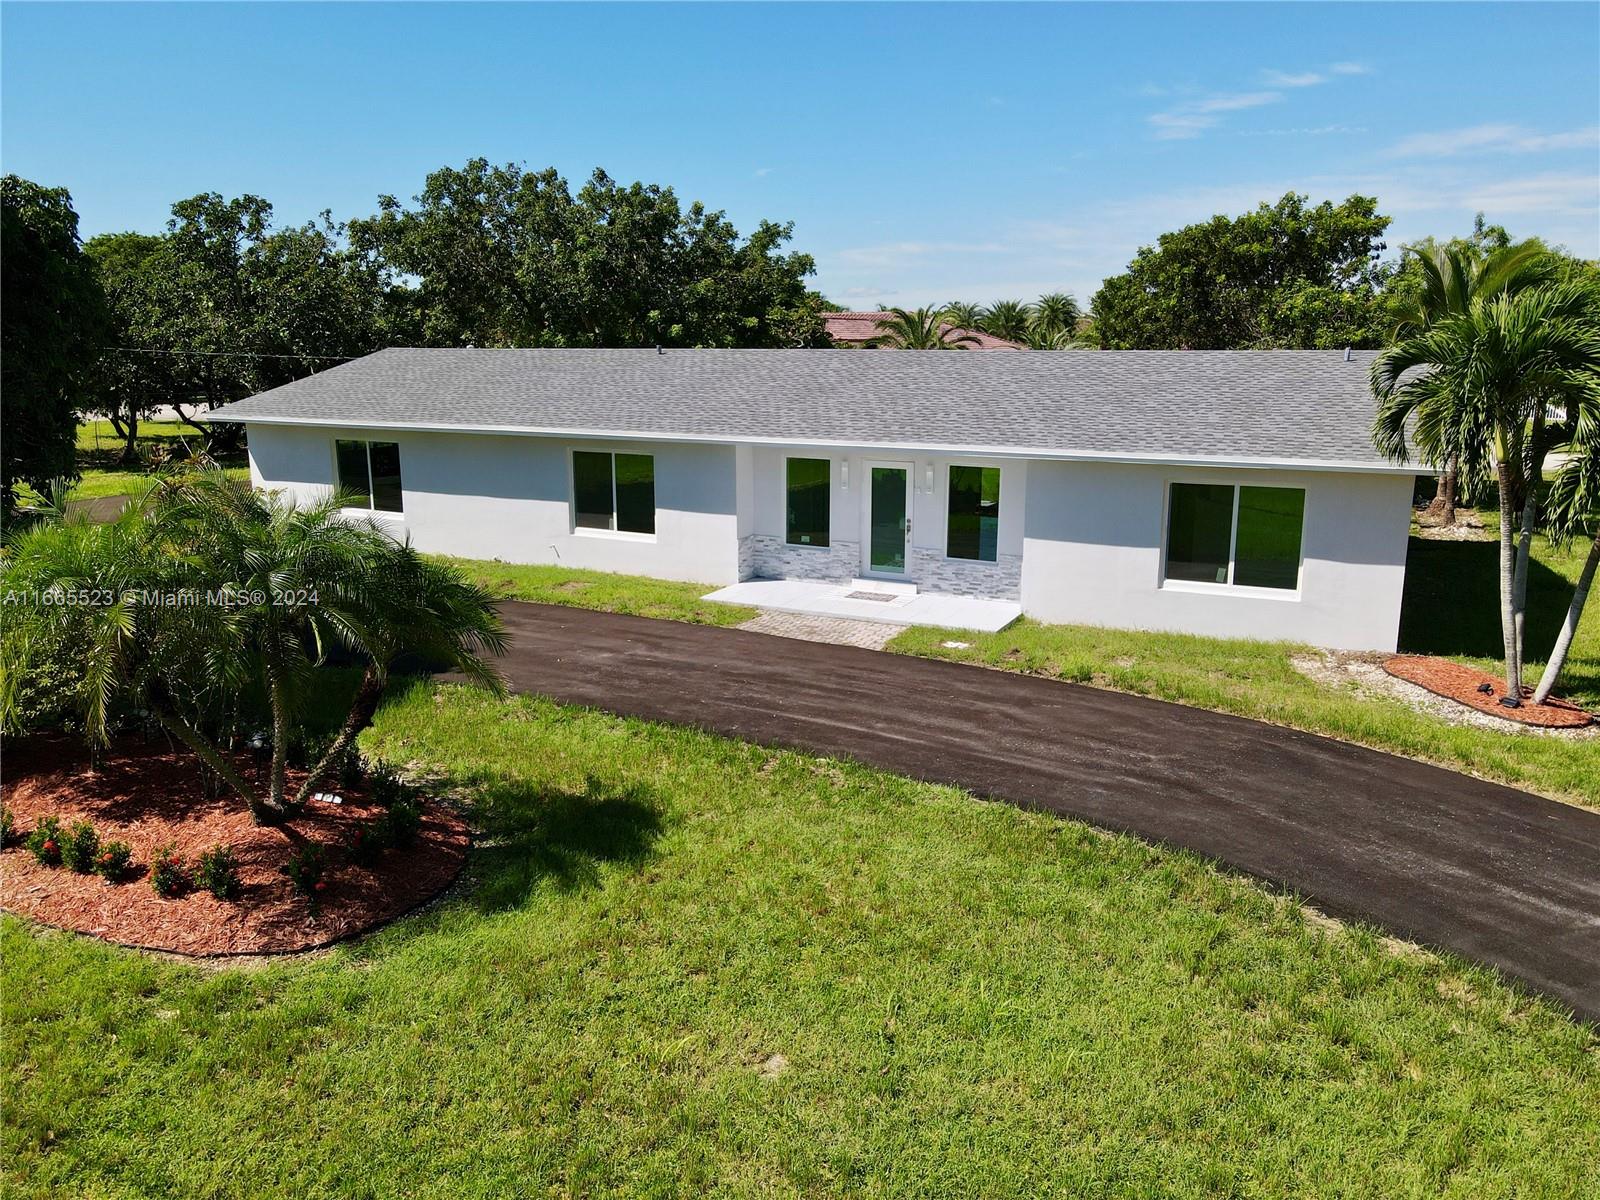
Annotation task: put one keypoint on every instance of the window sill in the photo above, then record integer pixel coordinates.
(806, 545)
(1230, 589)
(615, 535)
(381, 514)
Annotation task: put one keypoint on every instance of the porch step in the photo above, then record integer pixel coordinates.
(885, 586)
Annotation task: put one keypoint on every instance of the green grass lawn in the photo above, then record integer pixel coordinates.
(632, 594)
(103, 473)
(969, 999)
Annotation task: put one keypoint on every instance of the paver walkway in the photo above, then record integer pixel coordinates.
(869, 635)
(1437, 857)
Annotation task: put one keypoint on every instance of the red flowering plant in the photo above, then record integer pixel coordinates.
(306, 867)
(44, 843)
(113, 861)
(169, 874)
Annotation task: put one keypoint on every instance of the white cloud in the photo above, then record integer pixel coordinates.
(1500, 138)
(1303, 131)
(1290, 80)
(901, 254)
(1194, 117)
(1350, 68)
(1234, 101)
(763, 172)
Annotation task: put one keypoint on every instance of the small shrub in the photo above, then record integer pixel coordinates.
(113, 861)
(386, 786)
(368, 840)
(169, 874)
(217, 871)
(305, 868)
(351, 772)
(44, 843)
(80, 847)
(7, 826)
(402, 821)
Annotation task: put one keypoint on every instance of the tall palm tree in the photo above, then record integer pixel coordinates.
(921, 329)
(1007, 319)
(963, 315)
(1476, 386)
(1573, 508)
(1055, 312)
(1453, 276)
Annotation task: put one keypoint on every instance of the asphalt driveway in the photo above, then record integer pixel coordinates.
(1490, 872)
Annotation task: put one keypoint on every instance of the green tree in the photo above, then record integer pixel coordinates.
(1007, 319)
(1450, 278)
(500, 256)
(1573, 511)
(135, 374)
(1477, 387)
(1055, 313)
(52, 325)
(1286, 275)
(919, 329)
(963, 315)
(282, 585)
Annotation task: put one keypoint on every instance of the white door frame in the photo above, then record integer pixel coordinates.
(866, 517)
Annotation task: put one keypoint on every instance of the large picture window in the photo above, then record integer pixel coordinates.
(614, 491)
(1227, 534)
(370, 473)
(974, 530)
(806, 503)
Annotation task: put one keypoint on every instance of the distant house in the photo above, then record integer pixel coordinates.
(1229, 493)
(859, 328)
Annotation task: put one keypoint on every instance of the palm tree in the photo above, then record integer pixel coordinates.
(1477, 385)
(962, 314)
(1453, 276)
(922, 329)
(273, 587)
(1054, 313)
(1007, 319)
(1573, 508)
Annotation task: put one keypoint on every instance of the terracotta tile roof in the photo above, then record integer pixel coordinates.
(854, 328)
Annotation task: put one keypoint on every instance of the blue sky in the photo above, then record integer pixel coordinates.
(924, 153)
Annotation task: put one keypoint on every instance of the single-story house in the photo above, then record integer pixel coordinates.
(1228, 493)
(861, 328)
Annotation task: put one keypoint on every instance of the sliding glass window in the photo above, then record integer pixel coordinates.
(974, 530)
(1245, 536)
(806, 506)
(614, 491)
(369, 474)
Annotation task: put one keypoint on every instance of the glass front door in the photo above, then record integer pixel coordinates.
(886, 550)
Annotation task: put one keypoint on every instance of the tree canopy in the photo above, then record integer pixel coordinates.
(500, 256)
(1286, 275)
(52, 322)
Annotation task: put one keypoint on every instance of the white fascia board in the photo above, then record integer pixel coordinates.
(1373, 467)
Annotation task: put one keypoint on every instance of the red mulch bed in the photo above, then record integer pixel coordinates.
(1460, 683)
(149, 796)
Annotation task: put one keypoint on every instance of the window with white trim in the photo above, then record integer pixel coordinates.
(614, 491)
(1233, 534)
(369, 474)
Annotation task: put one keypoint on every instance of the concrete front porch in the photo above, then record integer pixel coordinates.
(871, 600)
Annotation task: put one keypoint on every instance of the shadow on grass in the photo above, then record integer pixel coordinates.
(1452, 601)
(559, 838)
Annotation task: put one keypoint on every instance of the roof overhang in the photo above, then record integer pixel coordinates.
(1368, 467)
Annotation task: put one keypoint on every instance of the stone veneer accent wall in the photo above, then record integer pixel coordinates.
(773, 558)
(933, 572)
(762, 556)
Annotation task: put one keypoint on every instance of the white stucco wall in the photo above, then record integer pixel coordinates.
(1093, 556)
(508, 497)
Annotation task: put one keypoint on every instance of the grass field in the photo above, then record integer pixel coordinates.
(100, 466)
(631, 594)
(692, 966)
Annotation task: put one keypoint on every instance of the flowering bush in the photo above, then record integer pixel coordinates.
(306, 866)
(80, 847)
(368, 841)
(44, 843)
(113, 861)
(169, 874)
(217, 871)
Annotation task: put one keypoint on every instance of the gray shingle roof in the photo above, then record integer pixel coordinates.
(1255, 406)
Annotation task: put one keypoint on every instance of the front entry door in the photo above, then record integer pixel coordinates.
(888, 517)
